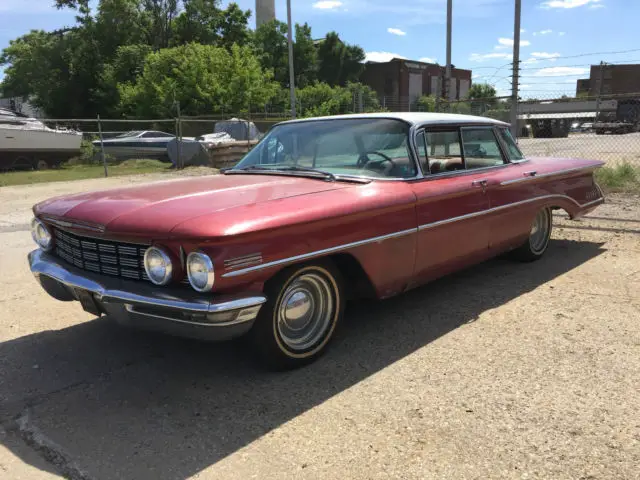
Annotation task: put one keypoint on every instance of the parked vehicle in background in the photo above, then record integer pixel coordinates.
(322, 210)
(626, 118)
(137, 144)
(27, 143)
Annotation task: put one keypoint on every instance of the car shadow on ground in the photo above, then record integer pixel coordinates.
(124, 404)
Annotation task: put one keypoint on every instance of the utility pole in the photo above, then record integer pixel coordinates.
(447, 77)
(600, 82)
(292, 81)
(516, 71)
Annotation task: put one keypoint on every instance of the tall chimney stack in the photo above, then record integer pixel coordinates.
(265, 11)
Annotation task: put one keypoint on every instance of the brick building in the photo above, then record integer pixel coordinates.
(616, 80)
(401, 82)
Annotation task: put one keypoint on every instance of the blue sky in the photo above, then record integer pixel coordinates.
(415, 29)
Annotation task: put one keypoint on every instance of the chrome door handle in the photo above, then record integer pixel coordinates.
(532, 173)
(480, 183)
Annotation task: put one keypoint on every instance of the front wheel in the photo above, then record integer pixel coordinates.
(539, 237)
(305, 304)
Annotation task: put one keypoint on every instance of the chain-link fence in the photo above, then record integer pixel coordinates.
(605, 128)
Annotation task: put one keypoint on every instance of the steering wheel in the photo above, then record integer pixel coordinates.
(364, 159)
(479, 151)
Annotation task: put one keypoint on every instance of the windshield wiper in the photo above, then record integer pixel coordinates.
(298, 168)
(287, 168)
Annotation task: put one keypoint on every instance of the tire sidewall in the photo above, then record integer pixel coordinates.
(265, 335)
(548, 236)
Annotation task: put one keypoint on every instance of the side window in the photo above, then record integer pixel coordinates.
(481, 148)
(421, 143)
(512, 147)
(443, 151)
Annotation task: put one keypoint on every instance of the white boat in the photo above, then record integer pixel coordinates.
(136, 144)
(28, 143)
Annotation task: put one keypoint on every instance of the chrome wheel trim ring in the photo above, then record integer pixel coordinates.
(539, 235)
(306, 311)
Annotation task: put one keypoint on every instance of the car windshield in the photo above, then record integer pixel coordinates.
(352, 147)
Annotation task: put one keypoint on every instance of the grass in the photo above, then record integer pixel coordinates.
(81, 172)
(623, 177)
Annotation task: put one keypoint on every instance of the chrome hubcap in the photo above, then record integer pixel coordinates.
(539, 236)
(305, 311)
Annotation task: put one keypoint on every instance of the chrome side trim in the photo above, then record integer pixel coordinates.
(599, 200)
(46, 265)
(543, 175)
(319, 253)
(504, 207)
(402, 233)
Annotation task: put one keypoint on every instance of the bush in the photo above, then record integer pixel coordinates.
(623, 177)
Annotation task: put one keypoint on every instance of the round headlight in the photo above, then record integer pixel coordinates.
(200, 271)
(157, 264)
(41, 234)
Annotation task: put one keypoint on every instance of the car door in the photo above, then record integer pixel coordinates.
(511, 212)
(451, 201)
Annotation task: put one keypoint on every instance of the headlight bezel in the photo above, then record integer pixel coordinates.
(35, 225)
(168, 265)
(210, 271)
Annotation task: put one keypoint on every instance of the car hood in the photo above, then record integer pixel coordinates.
(157, 208)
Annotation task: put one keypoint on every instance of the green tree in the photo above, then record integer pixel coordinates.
(339, 63)
(203, 21)
(363, 96)
(322, 99)
(305, 57)
(204, 79)
(233, 29)
(427, 103)
(270, 41)
(482, 91)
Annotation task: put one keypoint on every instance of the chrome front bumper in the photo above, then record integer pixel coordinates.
(177, 311)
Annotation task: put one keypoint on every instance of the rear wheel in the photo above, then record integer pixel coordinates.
(538, 240)
(305, 304)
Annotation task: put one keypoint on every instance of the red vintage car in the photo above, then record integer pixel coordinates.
(322, 210)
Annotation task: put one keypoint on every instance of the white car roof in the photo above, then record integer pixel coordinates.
(413, 118)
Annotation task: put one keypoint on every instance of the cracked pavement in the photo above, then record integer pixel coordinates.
(504, 370)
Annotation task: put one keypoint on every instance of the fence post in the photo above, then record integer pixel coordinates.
(360, 102)
(104, 159)
(179, 162)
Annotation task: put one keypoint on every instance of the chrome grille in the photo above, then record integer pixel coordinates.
(101, 256)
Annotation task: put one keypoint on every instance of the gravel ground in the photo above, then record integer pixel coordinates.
(610, 148)
(504, 370)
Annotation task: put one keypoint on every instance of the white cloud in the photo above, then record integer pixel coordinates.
(396, 31)
(546, 32)
(381, 56)
(596, 5)
(477, 57)
(508, 42)
(545, 55)
(522, 30)
(33, 6)
(568, 3)
(529, 61)
(562, 34)
(427, 60)
(560, 71)
(327, 4)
